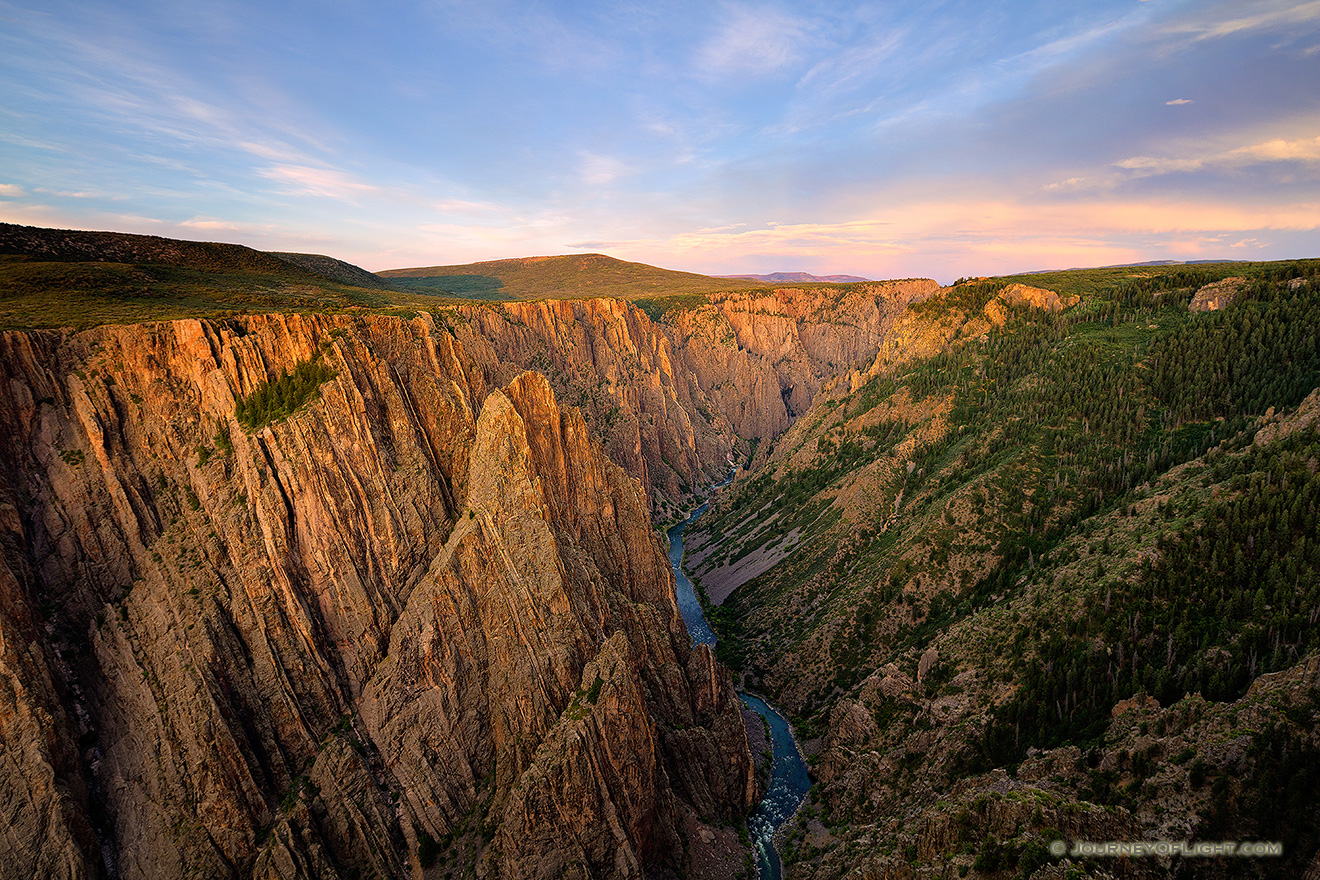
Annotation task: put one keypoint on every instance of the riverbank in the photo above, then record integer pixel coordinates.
(789, 780)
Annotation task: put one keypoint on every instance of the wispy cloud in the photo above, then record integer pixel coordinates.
(596, 169)
(853, 65)
(462, 206)
(1274, 150)
(1158, 165)
(594, 245)
(212, 224)
(1070, 183)
(673, 132)
(754, 41)
(1273, 15)
(324, 182)
(953, 237)
(79, 194)
(1279, 150)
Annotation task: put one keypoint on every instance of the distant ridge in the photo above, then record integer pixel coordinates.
(1130, 265)
(800, 276)
(565, 276)
(79, 278)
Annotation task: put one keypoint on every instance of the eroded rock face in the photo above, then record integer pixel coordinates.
(422, 619)
(1216, 295)
(671, 400)
(43, 826)
(621, 369)
(762, 358)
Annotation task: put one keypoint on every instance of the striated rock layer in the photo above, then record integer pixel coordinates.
(674, 399)
(762, 358)
(610, 360)
(421, 623)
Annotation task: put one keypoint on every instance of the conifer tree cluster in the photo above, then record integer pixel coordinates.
(282, 396)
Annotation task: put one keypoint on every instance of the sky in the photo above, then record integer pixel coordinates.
(883, 139)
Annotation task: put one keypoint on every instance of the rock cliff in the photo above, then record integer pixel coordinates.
(674, 399)
(421, 623)
(762, 358)
(610, 360)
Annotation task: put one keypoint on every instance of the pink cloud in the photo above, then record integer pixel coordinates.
(325, 182)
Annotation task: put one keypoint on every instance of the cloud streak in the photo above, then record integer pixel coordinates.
(754, 41)
(1273, 16)
(863, 137)
(952, 238)
(317, 181)
(1306, 150)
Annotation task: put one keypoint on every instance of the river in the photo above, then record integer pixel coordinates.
(788, 772)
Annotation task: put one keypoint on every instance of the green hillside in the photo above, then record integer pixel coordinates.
(1032, 584)
(335, 270)
(562, 277)
(38, 244)
(62, 278)
(68, 278)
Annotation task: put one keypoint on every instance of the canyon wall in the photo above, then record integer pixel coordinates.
(672, 399)
(762, 358)
(423, 621)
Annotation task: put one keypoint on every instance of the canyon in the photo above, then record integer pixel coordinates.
(425, 614)
(377, 586)
(424, 620)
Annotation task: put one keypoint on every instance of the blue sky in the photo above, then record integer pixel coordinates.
(888, 139)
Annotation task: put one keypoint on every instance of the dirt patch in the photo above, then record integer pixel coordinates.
(720, 582)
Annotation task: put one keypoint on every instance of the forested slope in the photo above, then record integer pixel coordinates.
(1057, 578)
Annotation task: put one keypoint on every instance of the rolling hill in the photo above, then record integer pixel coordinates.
(335, 270)
(570, 276)
(72, 278)
(40, 244)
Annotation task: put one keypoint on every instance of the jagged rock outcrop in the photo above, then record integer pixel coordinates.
(609, 359)
(422, 621)
(1274, 427)
(1216, 295)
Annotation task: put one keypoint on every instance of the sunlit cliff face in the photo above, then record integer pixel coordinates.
(329, 638)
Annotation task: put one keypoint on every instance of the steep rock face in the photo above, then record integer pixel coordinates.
(407, 623)
(608, 358)
(670, 400)
(42, 801)
(762, 358)
(1216, 295)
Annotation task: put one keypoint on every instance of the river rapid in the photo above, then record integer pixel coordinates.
(788, 772)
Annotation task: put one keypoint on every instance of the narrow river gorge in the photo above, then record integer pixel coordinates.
(789, 781)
